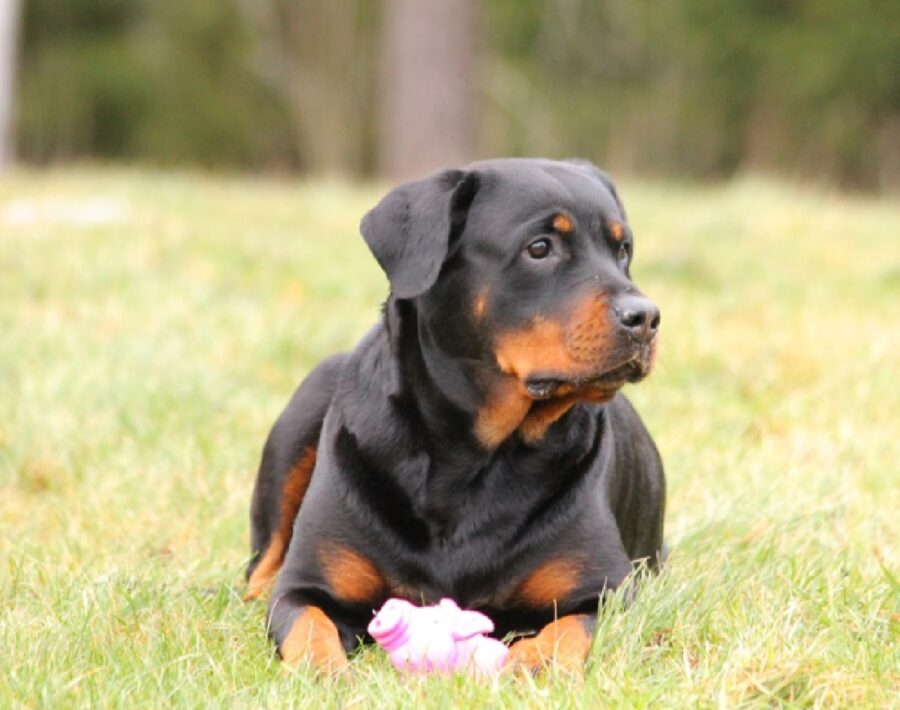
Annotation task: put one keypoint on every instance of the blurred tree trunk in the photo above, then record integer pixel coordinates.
(426, 95)
(9, 35)
(315, 56)
(323, 83)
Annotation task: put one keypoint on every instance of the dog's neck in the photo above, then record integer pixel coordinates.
(446, 396)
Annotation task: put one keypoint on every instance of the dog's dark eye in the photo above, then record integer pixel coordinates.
(539, 249)
(623, 254)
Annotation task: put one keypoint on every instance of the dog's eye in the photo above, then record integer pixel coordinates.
(539, 249)
(623, 254)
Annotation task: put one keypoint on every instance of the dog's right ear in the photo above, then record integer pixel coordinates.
(410, 231)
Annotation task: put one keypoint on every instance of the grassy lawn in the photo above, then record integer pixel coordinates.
(153, 325)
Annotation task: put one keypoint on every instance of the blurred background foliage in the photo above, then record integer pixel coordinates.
(696, 88)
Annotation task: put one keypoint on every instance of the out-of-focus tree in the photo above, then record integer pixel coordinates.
(165, 81)
(700, 88)
(9, 35)
(427, 96)
(694, 88)
(317, 57)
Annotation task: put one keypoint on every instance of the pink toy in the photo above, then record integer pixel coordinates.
(437, 638)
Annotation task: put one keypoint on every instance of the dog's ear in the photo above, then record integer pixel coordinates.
(411, 230)
(588, 167)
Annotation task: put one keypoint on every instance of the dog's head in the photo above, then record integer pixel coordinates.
(524, 265)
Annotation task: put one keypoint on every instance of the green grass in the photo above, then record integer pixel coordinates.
(143, 358)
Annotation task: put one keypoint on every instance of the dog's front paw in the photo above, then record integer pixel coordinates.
(314, 638)
(563, 644)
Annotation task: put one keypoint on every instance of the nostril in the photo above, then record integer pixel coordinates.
(632, 319)
(654, 324)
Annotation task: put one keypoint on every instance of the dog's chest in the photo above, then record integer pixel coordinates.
(463, 571)
(482, 535)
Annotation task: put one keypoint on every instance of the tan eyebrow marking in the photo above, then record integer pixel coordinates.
(617, 230)
(562, 223)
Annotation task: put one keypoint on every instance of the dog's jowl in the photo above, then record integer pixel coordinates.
(474, 444)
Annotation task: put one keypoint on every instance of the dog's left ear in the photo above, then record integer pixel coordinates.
(412, 229)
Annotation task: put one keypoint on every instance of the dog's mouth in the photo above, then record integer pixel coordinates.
(608, 381)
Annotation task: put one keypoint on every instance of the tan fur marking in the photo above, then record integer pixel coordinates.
(314, 637)
(292, 493)
(542, 415)
(480, 305)
(542, 346)
(569, 349)
(552, 582)
(501, 415)
(588, 331)
(264, 574)
(294, 490)
(562, 223)
(352, 577)
(616, 230)
(564, 643)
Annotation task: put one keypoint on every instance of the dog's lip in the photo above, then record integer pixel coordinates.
(632, 370)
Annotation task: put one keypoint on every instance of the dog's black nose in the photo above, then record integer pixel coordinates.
(638, 315)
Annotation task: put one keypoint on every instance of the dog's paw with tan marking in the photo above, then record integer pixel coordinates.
(563, 644)
(314, 638)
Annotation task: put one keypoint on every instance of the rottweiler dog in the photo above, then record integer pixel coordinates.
(474, 444)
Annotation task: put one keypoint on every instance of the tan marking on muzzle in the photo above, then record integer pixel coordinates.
(567, 349)
(573, 348)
